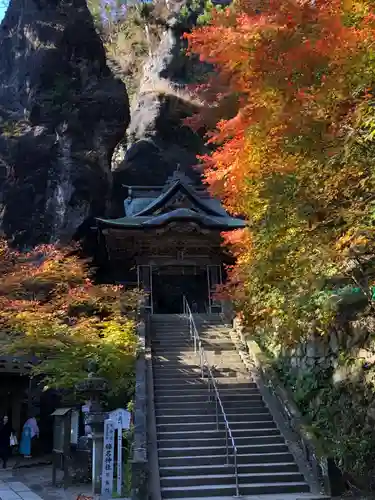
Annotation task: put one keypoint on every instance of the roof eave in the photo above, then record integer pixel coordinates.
(111, 224)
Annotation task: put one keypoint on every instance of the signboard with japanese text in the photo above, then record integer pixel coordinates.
(121, 418)
(108, 458)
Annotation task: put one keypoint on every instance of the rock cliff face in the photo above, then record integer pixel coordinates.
(157, 140)
(62, 112)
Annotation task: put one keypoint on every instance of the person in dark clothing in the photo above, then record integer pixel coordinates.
(5, 433)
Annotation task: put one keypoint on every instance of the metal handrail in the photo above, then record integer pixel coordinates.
(194, 335)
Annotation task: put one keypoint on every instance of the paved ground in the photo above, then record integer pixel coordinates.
(16, 490)
(35, 483)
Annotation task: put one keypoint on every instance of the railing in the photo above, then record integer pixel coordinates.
(212, 387)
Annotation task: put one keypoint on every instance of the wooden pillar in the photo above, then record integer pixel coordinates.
(16, 410)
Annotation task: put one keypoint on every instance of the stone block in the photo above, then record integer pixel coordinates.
(139, 478)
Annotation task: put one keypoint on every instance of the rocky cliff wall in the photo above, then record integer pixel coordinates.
(157, 139)
(62, 112)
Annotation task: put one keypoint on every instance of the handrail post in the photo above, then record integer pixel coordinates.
(236, 472)
(226, 444)
(217, 413)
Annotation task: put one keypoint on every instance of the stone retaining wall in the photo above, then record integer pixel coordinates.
(318, 463)
(140, 458)
(332, 379)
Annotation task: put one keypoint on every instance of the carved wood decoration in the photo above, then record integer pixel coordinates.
(169, 241)
(179, 200)
(178, 227)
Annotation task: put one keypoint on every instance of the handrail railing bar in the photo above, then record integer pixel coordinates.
(211, 380)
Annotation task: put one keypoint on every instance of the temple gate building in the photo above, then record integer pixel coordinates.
(169, 243)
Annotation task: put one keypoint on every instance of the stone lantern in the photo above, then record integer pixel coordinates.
(92, 388)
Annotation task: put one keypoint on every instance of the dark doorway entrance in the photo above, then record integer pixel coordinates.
(171, 283)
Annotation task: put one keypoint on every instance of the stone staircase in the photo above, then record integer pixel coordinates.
(191, 450)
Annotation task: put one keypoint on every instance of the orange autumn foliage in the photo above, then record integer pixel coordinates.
(293, 151)
(293, 65)
(50, 308)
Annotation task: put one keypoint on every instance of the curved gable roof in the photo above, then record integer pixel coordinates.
(179, 185)
(178, 215)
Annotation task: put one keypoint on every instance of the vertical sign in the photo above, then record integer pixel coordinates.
(121, 418)
(119, 453)
(108, 456)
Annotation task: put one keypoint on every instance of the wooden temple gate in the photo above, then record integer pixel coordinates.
(169, 243)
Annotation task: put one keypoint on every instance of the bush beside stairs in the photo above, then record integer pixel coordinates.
(191, 450)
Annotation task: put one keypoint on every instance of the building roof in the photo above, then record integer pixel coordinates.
(177, 201)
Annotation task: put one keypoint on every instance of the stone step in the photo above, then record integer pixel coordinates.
(227, 478)
(179, 353)
(166, 381)
(196, 383)
(197, 317)
(183, 419)
(230, 490)
(203, 331)
(217, 367)
(169, 346)
(171, 424)
(218, 373)
(174, 344)
(215, 340)
(183, 337)
(214, 460)
(200, 316)
(162, 378)
(171, 395)
(171, 332)
(209, 409)
(173, 373)
(221, 450)
(213, 360)
(180, 338)
(201, 385)
(185, 334)
(205, 404)
(174, 328)
(200, 394)
(266, 468)
(199, 398)
(187, 349)
(213, 433)
(201, 326)
(209, 346)
(165, 366)
(187, 357)
(219, 441)
(181, 350)
(173, 340)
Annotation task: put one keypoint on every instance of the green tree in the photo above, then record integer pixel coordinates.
(51, 309)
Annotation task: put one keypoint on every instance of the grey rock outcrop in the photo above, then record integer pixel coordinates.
(62, 112)
(157, 138)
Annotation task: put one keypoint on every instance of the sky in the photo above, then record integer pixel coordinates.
(3, 8)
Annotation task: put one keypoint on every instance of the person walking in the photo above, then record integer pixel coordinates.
(5, 434)
(29, 432)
